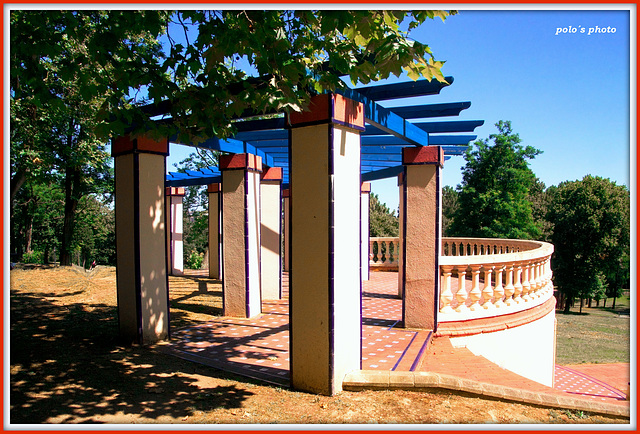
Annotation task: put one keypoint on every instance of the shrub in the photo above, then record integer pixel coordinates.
(194, 261)
(34, 257)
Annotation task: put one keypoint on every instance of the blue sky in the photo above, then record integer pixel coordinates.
(567, 94)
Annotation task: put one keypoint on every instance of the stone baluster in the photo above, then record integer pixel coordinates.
(487, 291)
(526, 286)
(371, 243)
(475, 293)
(517, 286)
(461, 294)
(509, 289)
(499, 291)
(538, 278)
(446, 296)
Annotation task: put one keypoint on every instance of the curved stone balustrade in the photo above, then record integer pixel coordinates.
(483, 277)
(387, 252)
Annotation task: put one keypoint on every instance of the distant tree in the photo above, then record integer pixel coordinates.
(450, 206)
(591, 235)
(95, 235)
(494, 193)
(540, 202)
(382, 221)
(195, 202)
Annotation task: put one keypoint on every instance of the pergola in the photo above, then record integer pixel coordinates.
(387, 131)
(319, 162)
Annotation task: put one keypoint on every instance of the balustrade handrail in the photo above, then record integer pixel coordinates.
(522, 250)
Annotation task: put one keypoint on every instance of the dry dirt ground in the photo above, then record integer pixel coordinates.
(67, 366)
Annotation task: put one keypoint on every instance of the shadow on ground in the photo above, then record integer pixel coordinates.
(66, 363)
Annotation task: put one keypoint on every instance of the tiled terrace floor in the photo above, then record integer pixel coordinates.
(259, 348)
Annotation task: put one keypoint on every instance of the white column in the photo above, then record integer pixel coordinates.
(364, 229)
(400, 233)
(326, 285)
(270, 239)
(175, 234)
(287, 230)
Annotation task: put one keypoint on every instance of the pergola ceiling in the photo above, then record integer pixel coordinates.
(388, 130)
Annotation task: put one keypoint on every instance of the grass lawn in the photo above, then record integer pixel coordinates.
(597, 335)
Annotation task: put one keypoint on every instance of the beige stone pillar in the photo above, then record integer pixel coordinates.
(365, 191)
(270, 239)
(421, 235)
(143, 297)
(175, 241)
(401, 234)
(286, 228)
(325, 279)
(215, 197)
(241, 234)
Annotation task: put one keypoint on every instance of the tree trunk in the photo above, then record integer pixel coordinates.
(567, 305)
(28, 233)
(614, 303)
(70, 205)
(590, 300)
(604, 303)
(46, 255)
(581, 303)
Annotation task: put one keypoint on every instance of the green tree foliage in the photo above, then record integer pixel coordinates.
(591, 235)
(69, 69)
(493, 197)
(449, 208)
(540, 200)
(382, 221)
(291, 55)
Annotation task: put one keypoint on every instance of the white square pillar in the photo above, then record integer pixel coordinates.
(175, 234)
(365, 191)
(143, 296)
(400, 234)
(325, 279)
(270, 237)
(286, 228)
(241, 234)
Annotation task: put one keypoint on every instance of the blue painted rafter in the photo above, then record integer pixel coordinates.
(403, 90)
(431, 110)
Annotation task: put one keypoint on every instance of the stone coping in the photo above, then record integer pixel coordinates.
(495, 323)
(406, 380)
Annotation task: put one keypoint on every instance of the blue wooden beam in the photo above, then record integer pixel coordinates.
(403, 90)
(387, 120)
(431, 110)
(449, 126)
(229, 145)
(375, 175)
(204, 180)
(260, 125)
(258, 136)
(433, 140)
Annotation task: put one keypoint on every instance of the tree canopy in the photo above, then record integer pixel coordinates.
(591, 235)
(382, 221)
(78, 78)
(496, 180)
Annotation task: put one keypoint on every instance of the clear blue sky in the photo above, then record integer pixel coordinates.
(567, 94)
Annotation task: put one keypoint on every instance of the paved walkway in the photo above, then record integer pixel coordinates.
(259, 348)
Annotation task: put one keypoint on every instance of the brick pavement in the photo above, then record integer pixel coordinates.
(259, 348)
